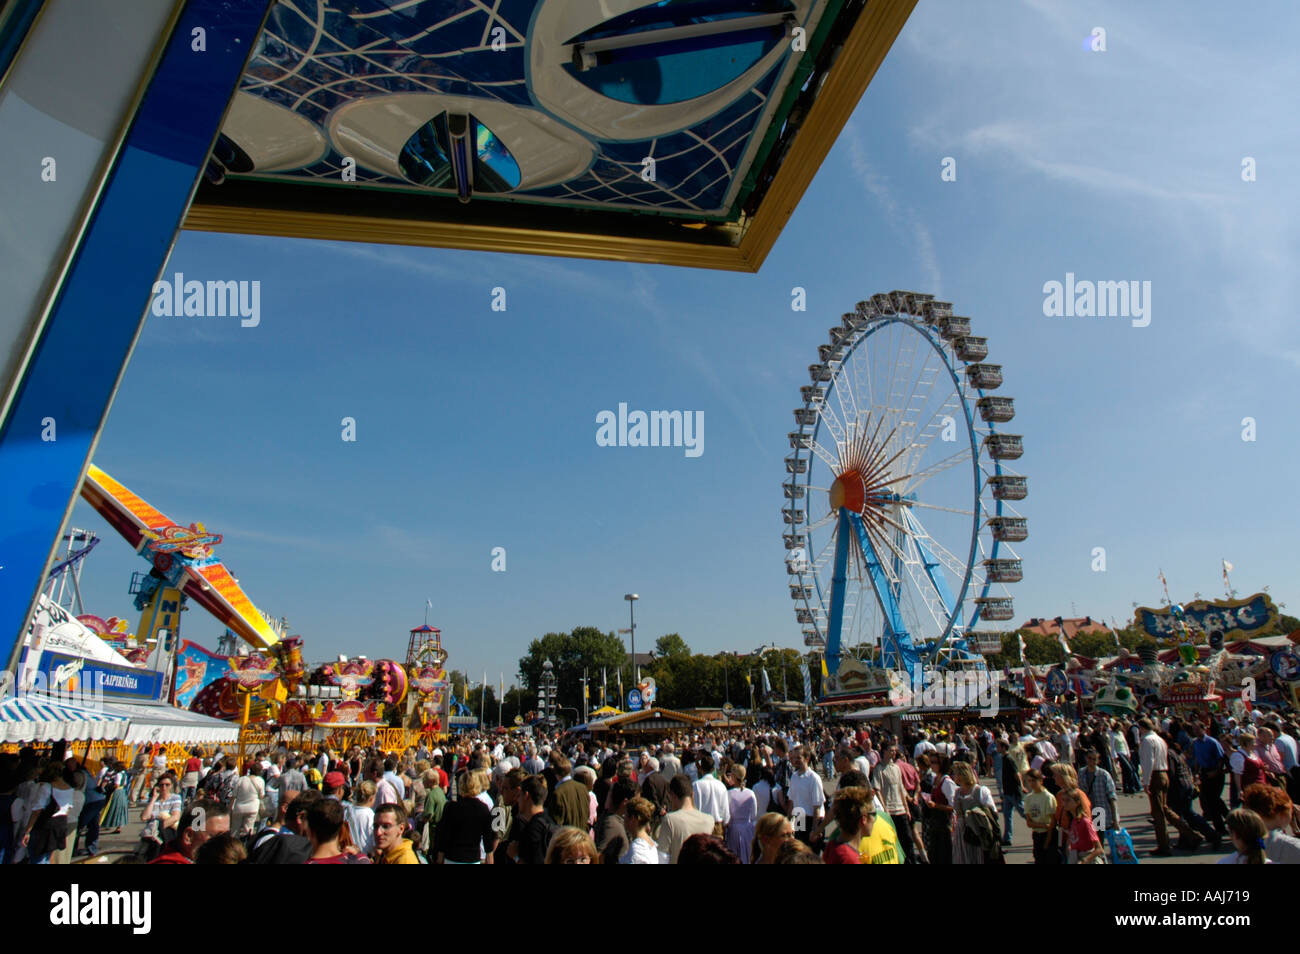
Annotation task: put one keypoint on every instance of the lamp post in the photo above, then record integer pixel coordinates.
(631, 613)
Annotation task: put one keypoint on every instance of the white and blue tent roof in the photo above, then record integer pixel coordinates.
(31, 718)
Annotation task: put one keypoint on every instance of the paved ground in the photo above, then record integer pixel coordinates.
(1135, 815)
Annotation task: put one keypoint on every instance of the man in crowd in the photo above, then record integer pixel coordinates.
(203, 819)
(1154, 755)
(805, 797)
(1207, 762)
(391, 844)
(1099, 786)
(611, 833)
(710, 795)
(684, 820)
(288, 844)
(887, 780)
(291, 783)
(534, 827)
(324, 825)
(570, 803)
(1012, 785)
(669, 763)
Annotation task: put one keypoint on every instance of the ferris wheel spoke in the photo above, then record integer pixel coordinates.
(822, 521)
(945, 556)
(833, 424)
(929, 596)
(900, 379)
(923, 379)
(929, 506)
(826, 457)
(927, 434)
(883, 468)
(844, 384)
(939, 467)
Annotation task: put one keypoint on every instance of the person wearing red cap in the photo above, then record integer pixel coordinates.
(334, 785)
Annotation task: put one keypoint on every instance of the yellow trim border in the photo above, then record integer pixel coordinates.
(865, 49)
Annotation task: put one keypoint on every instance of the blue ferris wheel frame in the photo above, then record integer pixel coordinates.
(897, 647)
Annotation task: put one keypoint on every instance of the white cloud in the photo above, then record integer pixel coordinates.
(902, 219)
(1156, 125)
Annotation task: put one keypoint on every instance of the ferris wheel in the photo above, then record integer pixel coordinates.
(898, 521)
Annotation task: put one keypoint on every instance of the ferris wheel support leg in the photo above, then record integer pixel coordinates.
(931, 565)
(897, 633)
(839, 580)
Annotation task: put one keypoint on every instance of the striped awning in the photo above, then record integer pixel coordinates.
(163, 723)
(31, 718)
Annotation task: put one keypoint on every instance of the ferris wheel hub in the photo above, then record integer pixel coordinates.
(849, 492)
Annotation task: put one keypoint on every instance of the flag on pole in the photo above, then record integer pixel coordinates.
(1060, 638)
(1031, 684)
(807, 684)
(767, 683)
(749, 680)
(1227, 568)
(825, 672)
(429, 603)
(603, 685)
(1022, 648)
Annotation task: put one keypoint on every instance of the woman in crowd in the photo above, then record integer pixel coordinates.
(1066, 780)
(1084, 844)
(113, 783)
(190, 777)
(771, 832)
(855, 815)
(638, 815)
(706, 850)
(572, 846)
(465, 835)
(250, 789)
(937, 799)
(744, 814)
(970, 795)
(1248, 832)
(50, 806)
(361, 817)
(161, 816)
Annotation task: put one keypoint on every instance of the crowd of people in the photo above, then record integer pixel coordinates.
(809, 792)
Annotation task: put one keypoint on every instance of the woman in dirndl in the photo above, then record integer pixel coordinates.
(114, 784)
(969, 795)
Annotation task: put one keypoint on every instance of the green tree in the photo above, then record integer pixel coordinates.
(671, 645)
(570, 653)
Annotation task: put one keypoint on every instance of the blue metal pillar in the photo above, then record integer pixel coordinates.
(100, 304)
(896, 629)
(839, 580)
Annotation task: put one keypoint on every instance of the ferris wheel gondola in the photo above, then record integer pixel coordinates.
(898, 516)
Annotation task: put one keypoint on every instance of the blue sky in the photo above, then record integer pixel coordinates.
(475, 429)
